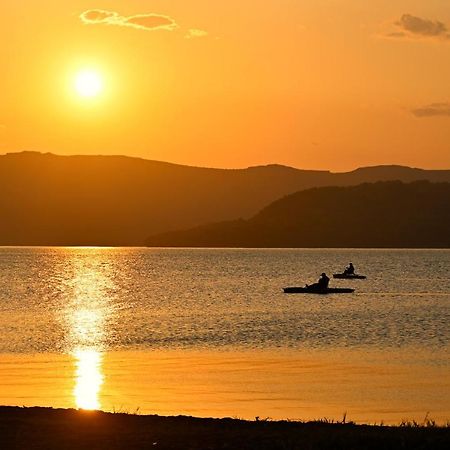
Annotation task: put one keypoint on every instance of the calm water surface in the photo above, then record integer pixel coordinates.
(209, 332)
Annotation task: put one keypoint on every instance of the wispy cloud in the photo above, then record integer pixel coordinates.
(149, 22)
(433, 110)
(413, 27)
(195, 33)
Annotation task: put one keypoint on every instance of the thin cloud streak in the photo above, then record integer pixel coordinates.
(148, 22)
(433, 110)
(196, 33)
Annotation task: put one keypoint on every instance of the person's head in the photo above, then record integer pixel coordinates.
(324, 274)
(351, 264)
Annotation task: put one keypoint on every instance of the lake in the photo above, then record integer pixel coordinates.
(209, 332)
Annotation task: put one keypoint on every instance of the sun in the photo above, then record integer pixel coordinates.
(88, 83)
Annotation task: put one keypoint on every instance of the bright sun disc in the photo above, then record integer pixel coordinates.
(88, 83)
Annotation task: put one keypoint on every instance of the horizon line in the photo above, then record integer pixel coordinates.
(41, 153)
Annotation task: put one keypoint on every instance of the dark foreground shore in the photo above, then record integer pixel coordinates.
(45, 428)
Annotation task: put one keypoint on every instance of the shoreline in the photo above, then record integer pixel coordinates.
(178, 247)
(293, 385)
(47, 428)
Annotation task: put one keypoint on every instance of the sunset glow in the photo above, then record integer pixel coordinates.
(184, 187)
(88, 83)
(310, 84)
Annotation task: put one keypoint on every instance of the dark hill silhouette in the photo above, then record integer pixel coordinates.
(115, 200)
(383, 214)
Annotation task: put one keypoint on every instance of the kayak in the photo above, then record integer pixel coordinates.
(349, 276)
(308, 290)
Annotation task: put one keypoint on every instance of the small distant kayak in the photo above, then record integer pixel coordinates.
(308, 290)
(346, 276)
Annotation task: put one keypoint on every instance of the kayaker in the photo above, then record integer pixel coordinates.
(350, 270)
(323, 281)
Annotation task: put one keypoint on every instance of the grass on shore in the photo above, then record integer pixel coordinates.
(46, 428)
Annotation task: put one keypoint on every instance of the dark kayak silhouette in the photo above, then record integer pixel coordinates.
(321, 287)
(349, 276)
(315, 290)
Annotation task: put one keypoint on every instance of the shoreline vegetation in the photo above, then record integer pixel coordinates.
(47, 428)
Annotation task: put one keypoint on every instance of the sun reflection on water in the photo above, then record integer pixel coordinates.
(89, 378)
(87, 316)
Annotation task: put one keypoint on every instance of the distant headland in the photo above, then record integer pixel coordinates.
(384, 214)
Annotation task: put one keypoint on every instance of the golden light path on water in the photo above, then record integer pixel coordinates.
(89, 379)
(138, 329)
(86, 316)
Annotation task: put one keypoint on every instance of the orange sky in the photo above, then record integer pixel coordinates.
(326, 84)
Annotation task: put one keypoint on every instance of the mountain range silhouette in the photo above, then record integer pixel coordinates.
(46, 199)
